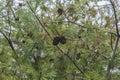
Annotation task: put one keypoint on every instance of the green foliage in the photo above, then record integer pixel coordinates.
(82, 54)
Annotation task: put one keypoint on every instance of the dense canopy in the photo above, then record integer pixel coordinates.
(59, 40)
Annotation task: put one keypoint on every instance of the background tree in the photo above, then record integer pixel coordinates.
(59, 40)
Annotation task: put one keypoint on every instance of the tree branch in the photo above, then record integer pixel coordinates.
(111, 63)
(39, 20)
(66, 54)
(10, 43)
(43, 26)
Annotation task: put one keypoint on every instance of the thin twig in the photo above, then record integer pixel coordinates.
(9, 23)
(10, 43)
(66, 54)
(115, 16)
(39, 20)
